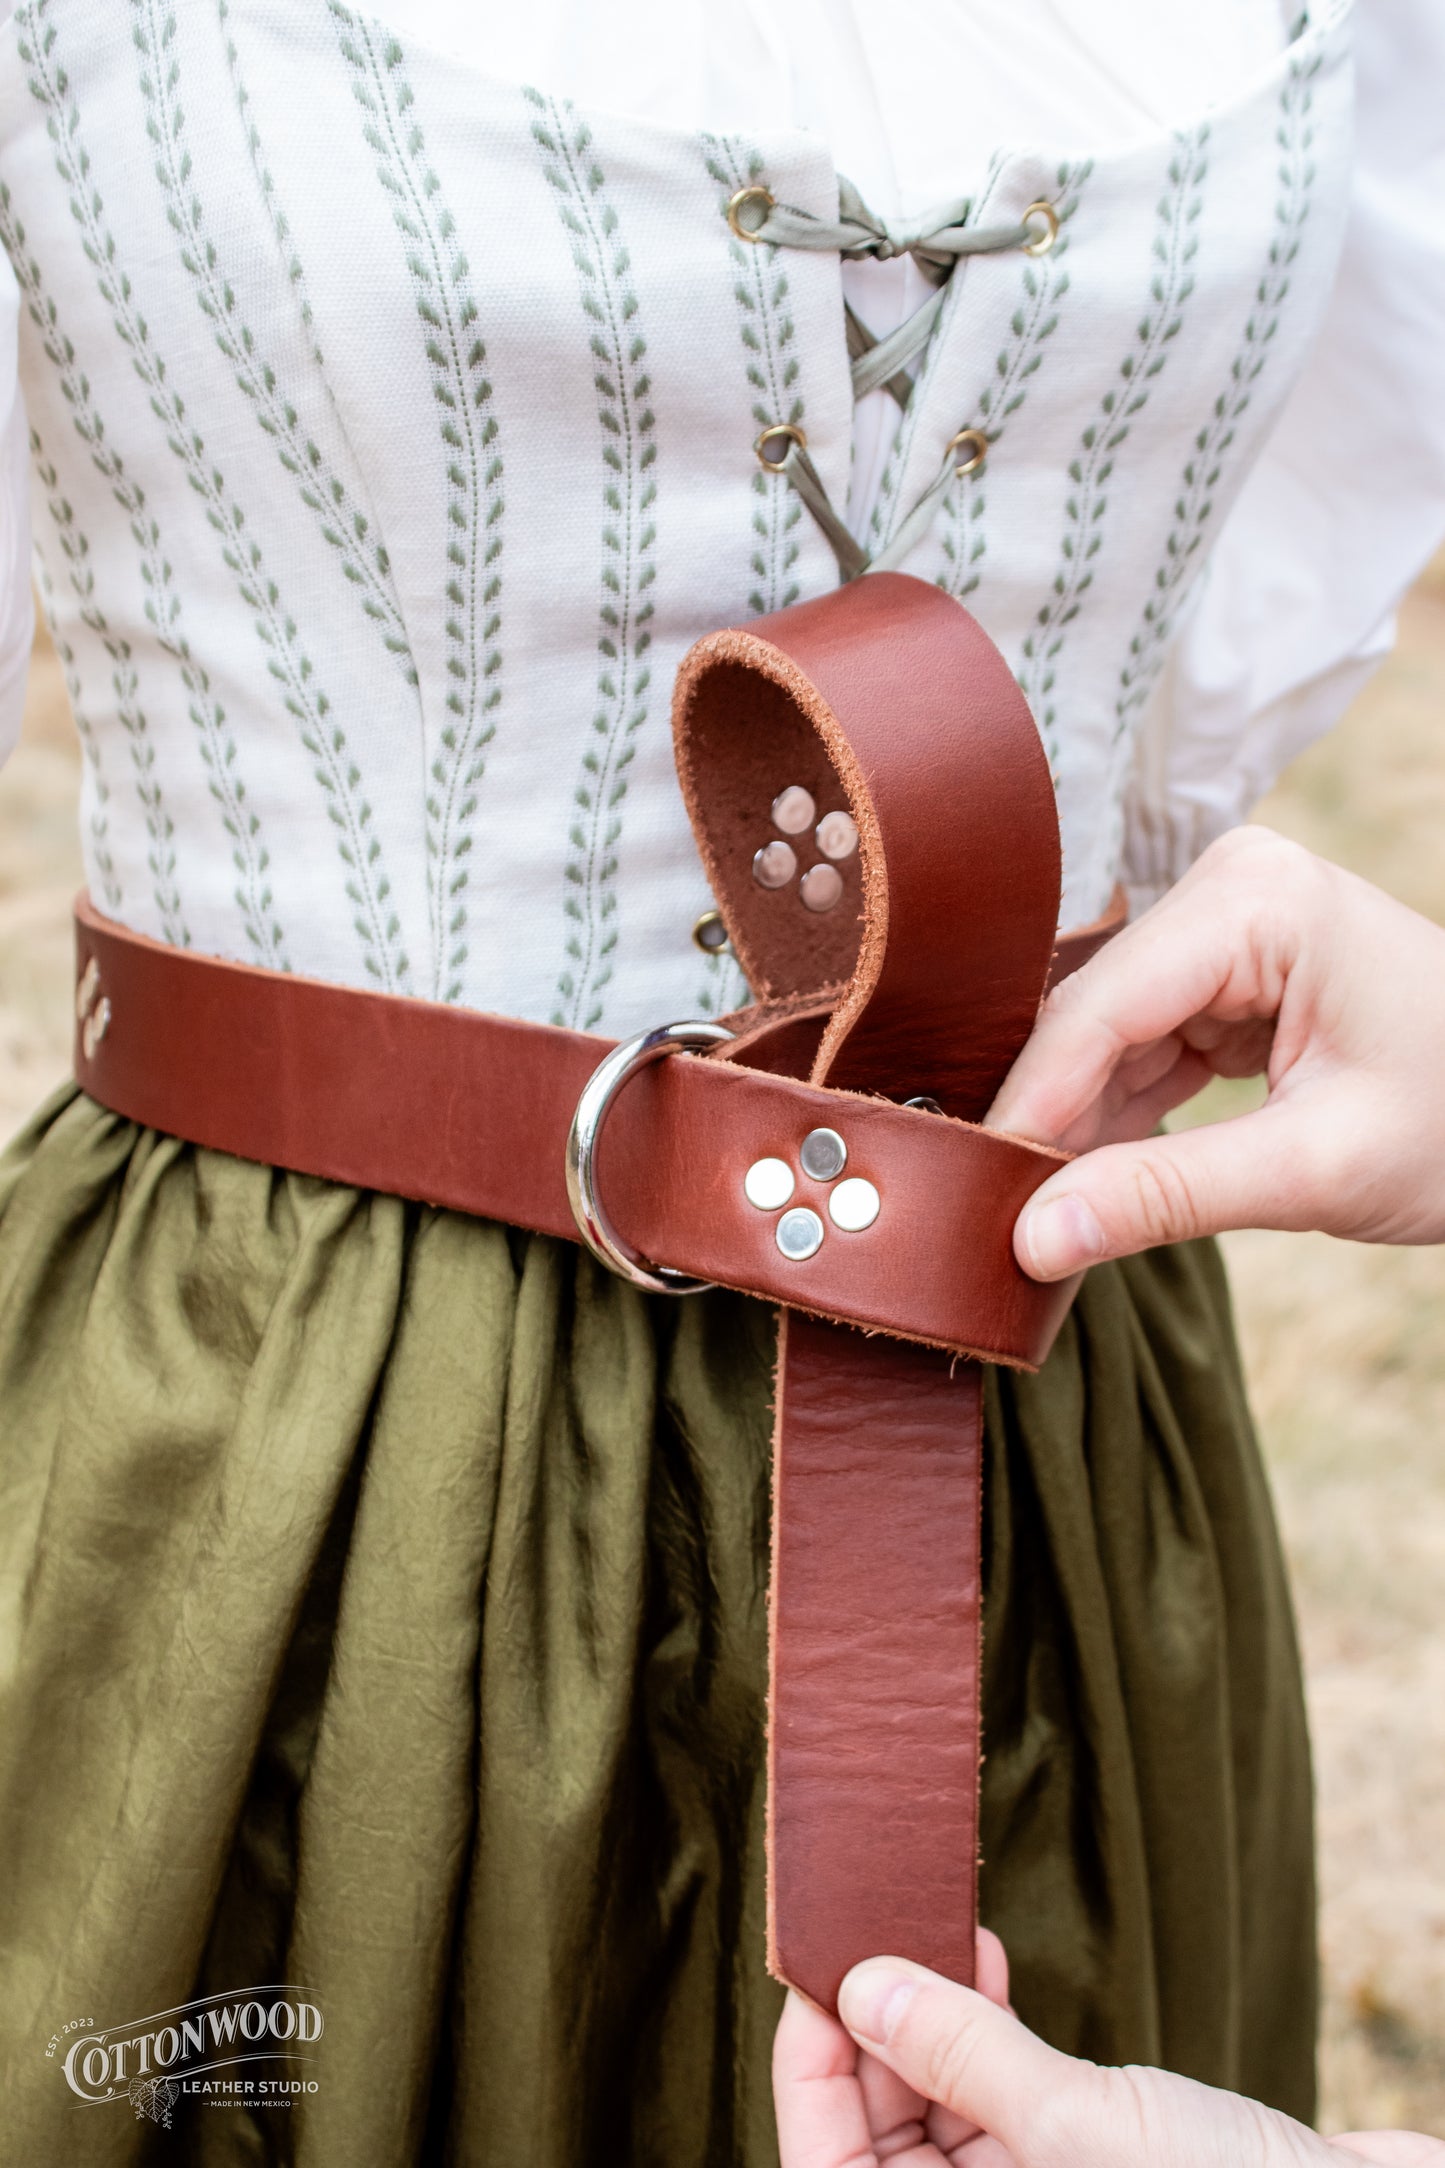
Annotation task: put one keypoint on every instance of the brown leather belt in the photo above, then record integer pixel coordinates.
(884, 700)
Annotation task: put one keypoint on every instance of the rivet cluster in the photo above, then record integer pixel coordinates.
(852, 1204)
(775, 864)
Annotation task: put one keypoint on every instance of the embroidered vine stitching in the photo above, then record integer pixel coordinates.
(162, 604)
(367, 886)
(765, 326)
(629, 534)
(100, 853)
(280, 224)
(1045, 282)
(342, 524)
(1175, 246)
(161, 857)
(449, 316)
(1205, 466)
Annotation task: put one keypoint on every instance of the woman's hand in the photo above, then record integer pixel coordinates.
(1263, 959)
(840, 2106)
(928, 2073)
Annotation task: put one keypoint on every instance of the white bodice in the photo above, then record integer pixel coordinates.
(393, 437)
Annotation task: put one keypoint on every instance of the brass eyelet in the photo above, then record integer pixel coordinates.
(788, 433)
(977, 453)
(710, 934)
(764, 196)
(1042, 242)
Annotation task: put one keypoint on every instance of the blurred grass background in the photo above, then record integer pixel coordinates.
(1345, 1349)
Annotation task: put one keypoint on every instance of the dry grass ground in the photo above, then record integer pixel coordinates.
(1346, 1354)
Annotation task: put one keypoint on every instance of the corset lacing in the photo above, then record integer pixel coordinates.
(935, 241)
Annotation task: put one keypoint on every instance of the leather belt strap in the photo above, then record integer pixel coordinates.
(887, 701)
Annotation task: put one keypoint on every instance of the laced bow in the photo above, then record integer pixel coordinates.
(936, 240)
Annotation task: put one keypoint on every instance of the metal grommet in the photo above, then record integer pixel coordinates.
(975, 455)
(1042, 242)
(764, 196)
(824, 1154)
(598, 1093)
(788, 432)
(710, 934)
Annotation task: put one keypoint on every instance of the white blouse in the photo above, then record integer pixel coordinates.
(1347, 501)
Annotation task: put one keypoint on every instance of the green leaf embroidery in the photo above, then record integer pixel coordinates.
(1174, 248)
(1044, 282)
(1203, 470)
(367, 886)
(162, 603)
(448, 317)
(100, 854)
(629, 497)
(773, 371)
(342, 524)
(125, 684)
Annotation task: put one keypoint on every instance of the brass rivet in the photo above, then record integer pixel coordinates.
(763, 196)
(784, 432)
(1042, 242)
(973, 444)
(710, 934)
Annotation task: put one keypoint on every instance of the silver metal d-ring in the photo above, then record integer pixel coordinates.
(598, 1093)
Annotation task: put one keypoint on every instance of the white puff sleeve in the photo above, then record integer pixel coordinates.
(16, 606)
(1346, 504)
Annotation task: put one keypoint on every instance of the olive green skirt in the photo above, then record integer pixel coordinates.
(383, 1610)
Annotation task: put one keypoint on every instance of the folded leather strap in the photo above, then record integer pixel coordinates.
(884, 699)
(889, 689)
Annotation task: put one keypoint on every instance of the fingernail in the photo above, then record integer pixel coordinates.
(1061, 1236)
(872, 2000)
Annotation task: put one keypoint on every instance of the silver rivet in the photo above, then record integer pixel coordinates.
(710, 934)
(925, 1103)
(86, 991)
(820, 887)
(768, 1183)
(774, 865)
(794, 810)
(800, 1234)
(824, 1154)
(837, 835)
(854, 1205)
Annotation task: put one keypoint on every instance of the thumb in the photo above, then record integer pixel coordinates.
(1127, 1197)
(958, 2048)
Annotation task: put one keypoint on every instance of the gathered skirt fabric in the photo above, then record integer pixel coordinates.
(383, 1609)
